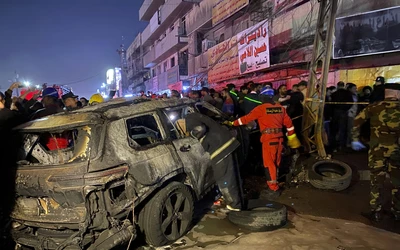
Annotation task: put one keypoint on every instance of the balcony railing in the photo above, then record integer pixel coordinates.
(171, 42)
(163, 19)
(149, 58)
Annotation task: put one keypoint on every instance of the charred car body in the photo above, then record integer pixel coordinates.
(86, 178)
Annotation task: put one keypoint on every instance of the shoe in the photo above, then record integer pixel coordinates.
(396, 216)
(232, 208)
(268, 194)
(374, 216)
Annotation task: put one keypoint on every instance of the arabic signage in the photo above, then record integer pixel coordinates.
(253, 48)
(225, 8)
(223, 61)
(368, 33)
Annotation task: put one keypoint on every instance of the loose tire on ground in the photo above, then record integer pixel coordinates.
(168, 215)
(331, 175)
(260, 215)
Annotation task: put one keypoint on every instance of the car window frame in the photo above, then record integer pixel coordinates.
(160, 125)
(184, 112)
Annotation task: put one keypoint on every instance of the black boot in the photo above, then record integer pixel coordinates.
(396, 216)
(268, 194)
(376, 216)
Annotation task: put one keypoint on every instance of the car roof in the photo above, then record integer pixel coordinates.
(111, 110)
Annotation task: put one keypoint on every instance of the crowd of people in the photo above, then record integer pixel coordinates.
(343, 103)
(15, 110)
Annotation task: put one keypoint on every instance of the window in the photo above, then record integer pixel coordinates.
(143, 131)
(183, 25)
(172, 62)
(55, 148)
(165, 66)
(221, 38)
(159, 16)
(172, 115)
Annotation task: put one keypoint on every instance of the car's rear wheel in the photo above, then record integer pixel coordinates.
(168, 215)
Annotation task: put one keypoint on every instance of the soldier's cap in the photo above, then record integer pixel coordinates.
(394, 86)
(380, 79)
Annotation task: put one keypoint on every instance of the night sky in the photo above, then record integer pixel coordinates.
(64, 41)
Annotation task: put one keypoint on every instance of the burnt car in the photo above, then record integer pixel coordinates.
(92, 178)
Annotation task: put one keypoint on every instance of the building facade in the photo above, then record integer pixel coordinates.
(215, 42)
(165, 43)
(137, 74)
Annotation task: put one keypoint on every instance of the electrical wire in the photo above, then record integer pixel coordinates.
(82, 80)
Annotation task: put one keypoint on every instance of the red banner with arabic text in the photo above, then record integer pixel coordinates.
(253, 48)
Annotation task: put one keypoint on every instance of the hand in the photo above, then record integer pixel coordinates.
(14, 85)
(228, 123)
(293, 141)
(357, 146)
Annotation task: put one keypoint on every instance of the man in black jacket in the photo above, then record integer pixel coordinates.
(251, 100)
(339, 116)
(218, 141)
(379, 90)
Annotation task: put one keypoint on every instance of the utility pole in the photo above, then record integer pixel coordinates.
(313, 117)
(124, 69)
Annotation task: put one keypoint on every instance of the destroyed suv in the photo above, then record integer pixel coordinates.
(86, 178)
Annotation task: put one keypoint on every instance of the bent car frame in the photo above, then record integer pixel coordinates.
(91, 178)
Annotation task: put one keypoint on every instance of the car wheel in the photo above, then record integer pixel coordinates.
(331, 175)
(260, 215)
(168, 215)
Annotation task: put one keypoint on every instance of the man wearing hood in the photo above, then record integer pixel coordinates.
(219, 142)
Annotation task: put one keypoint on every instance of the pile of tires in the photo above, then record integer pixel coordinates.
(330, 175)
(260, 215)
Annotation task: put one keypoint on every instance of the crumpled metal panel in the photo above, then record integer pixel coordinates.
(61, 121)
(46, 210)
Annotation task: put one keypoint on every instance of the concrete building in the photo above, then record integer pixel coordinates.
(215, 42)
(137, 73)
(165, 43)
(214, 31)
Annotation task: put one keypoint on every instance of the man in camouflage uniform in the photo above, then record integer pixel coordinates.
(384, 152)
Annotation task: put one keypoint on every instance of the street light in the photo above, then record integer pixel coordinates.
(26, 83)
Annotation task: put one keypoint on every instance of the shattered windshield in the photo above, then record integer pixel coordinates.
(53, 148)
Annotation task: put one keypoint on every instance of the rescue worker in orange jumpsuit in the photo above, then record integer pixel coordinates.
(271, 118)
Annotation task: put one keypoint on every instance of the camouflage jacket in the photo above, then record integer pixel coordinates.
(384, 118)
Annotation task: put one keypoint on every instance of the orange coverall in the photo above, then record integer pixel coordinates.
(271, 119)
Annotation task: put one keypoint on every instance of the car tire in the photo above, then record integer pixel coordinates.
(330, 175)
(163, 220)
(260, 216)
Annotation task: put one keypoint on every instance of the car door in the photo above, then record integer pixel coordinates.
(155, 155)
(195, 159)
